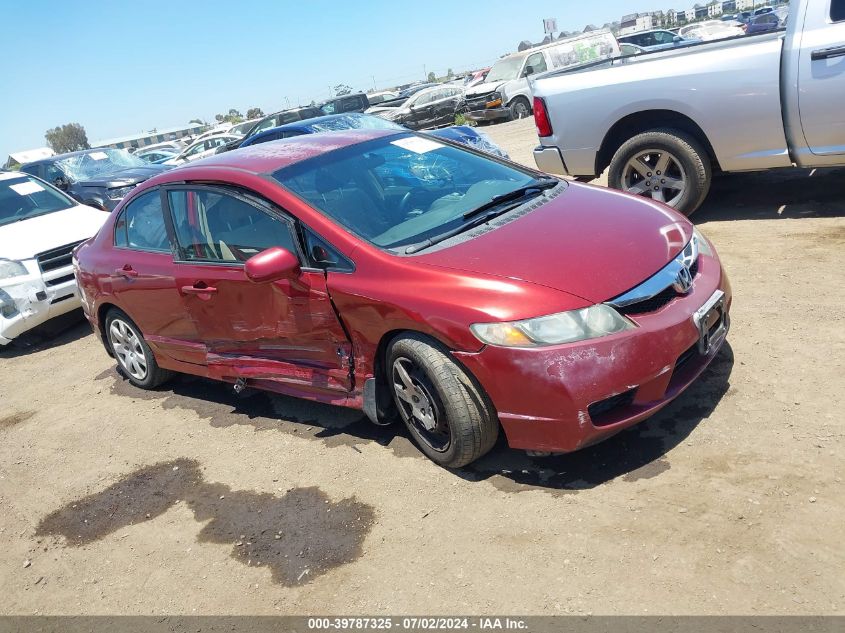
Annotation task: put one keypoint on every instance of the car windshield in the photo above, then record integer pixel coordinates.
(96, 163)
(23, 197)
(349, 122)
(505, 69)
(401, 189)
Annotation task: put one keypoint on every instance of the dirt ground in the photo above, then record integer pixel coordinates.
(192, 499)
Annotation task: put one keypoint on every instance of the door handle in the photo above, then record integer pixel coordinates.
(198, 290)
(126, 271)
(827, 53)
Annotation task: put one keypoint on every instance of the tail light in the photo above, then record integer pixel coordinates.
(541, 118)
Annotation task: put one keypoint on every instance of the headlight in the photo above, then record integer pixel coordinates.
(555, 329)
(11, 268)
(701, 243)
(120, 192)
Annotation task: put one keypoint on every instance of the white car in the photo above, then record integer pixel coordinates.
(242, 128)
(39, 228)
(201, 149)
(710, 30)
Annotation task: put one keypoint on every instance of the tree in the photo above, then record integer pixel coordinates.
(254, 113)
(67, 138)
(432, 77)
(342, 89)
(233, 117)
(197, 121)
(449, 73)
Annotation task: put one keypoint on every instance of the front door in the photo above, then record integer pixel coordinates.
(821, 78)
(284, 331)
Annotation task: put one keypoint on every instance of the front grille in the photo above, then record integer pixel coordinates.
(59, 280)
(663, 298)
(684, 358)
(479, 102)
(603, 407)
(57, 257)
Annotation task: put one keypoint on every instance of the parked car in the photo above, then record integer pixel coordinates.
(476, 77)
(656, 40)
(96, 177)
(627, 50)
(156, 156)
(355, 121)
(273, 120)
(240, 129)
(491, 297)
(39, 227)
(661, 126)
(505, 94)
(375, 98)
(428, 108)
(202, 148)
(711, 30)
(346, 103)
(771, 21)
(762, 11)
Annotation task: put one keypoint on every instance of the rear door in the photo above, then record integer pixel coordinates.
(285, 331)
(821, 77)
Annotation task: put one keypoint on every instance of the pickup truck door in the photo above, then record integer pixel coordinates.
(821, 77)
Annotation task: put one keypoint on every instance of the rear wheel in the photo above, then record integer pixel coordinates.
(449, 417)
(668, 166)
(133, 355)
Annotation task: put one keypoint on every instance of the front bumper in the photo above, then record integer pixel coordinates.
(566, 397)
(489, 114)
(29, 301)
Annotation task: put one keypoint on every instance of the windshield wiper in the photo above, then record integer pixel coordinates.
(538, 186)
(481, 218)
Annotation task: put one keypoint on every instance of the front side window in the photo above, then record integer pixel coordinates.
(424, 187)
(537, 64)
(664, 37)
(217, 226)
(141, 226)
(264, 125)
(837, 10)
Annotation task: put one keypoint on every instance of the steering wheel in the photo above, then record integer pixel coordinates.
(406, 204)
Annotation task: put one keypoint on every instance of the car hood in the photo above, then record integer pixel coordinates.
(483, 88)
(587, 241)
(124, 177)
(24, 239)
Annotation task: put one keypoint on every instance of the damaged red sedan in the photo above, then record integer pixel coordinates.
(411, 278)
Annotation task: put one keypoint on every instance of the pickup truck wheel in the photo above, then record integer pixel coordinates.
(520, 108)
(134, 357)
(449, 417)
(668, 166)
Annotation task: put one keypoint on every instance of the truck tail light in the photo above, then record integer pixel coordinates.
(541, 118)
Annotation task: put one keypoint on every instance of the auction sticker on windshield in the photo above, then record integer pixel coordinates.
(26, 188)
(98, 155)
(417, 145)
(10, 175)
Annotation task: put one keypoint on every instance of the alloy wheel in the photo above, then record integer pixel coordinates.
(417, 406)
(656, 174)
(127, 347)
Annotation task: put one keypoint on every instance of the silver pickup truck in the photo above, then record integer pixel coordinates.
(664, 122)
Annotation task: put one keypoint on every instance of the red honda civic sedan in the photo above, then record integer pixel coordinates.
(410, 277)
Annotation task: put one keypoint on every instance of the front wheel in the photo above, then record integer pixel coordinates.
(449, 417)
(520, 108)
(668, 166)
(133, 355)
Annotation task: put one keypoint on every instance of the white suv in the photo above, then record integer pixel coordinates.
(39, 228)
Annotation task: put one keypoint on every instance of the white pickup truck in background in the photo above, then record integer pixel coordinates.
(663, 122)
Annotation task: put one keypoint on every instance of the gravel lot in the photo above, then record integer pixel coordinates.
(194, 500)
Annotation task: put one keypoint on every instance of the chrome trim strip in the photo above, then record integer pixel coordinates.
(675, 273)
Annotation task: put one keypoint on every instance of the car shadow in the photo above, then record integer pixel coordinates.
(56, 332)
(775, 194)
(637, 453)
(640, 452)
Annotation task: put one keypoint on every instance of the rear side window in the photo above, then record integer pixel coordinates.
(215, 226)
(140, 225)
(837, 10)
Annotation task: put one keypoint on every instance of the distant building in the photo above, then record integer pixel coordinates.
(745, 5)
(22, 158)
(150, 138)
(729, 6)
(714, 9)
(590, 28)
(636, 22)
(700, 12)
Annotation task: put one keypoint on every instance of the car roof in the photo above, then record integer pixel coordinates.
(263, 158)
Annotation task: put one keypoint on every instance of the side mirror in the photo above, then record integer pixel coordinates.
(62, 183)
(271, 265)
(677, 39)
(529, 70)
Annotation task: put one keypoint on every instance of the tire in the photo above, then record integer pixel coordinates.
(633, 169)
(520, 108)
(463, 423)
(137, 362)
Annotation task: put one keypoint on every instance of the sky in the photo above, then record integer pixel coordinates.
(120, 68)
